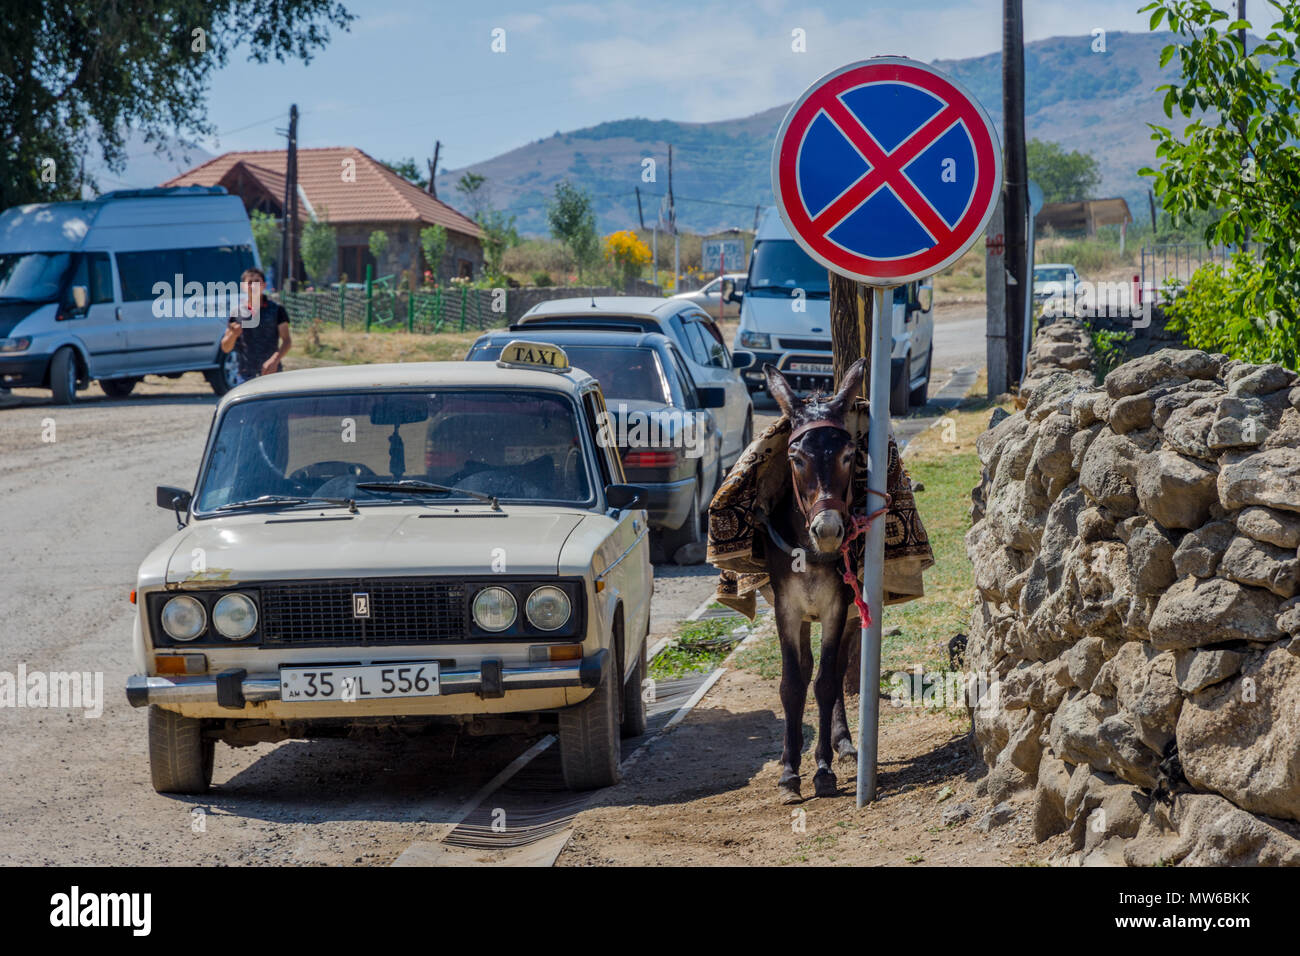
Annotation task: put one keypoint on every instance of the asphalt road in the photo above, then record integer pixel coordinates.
(77, 486)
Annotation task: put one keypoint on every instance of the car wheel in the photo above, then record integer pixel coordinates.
(63, 376)
(224, 377)
(589, 741)
(634, 717)
(180, 759)
(684, 545)
(118, 387)
(898, 390)
(921, 394)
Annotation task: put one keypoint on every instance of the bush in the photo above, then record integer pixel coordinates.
(1238, 311)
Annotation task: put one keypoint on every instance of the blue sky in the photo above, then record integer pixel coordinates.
(408, 73)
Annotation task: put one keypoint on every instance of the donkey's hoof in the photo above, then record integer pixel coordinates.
(789, 790)
(825, 784)
(846, 751)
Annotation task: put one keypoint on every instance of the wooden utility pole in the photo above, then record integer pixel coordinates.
(1016, 178)
(433, 169)
(289, 234)
(850, 340)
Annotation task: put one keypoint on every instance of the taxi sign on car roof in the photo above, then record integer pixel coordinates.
(537, 355)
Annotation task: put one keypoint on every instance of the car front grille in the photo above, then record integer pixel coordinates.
(402, 611)
(812, 345)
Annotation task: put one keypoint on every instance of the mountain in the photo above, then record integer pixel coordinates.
(1096, 102)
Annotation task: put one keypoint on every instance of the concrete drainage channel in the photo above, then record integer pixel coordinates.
(522, 816)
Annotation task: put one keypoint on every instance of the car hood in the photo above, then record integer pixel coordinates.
(769, 313)
(12, 313)
(378, 541)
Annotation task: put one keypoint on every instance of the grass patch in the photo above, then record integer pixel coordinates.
(333, 346)
(699, 646)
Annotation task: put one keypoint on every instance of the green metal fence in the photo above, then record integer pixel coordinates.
(380, 307)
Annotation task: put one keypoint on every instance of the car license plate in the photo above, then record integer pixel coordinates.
(821, 368)
(359, 682)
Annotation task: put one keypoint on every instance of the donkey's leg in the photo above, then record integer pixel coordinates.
(796, 664)
(828, 690)
(841, 739)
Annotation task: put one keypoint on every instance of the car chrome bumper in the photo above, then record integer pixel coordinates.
(234, 688)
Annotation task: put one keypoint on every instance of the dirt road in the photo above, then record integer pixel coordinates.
(78, 487)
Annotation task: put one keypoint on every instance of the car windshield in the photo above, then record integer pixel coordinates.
(780, 266)
(1051, 275)
(517, 445)
(33, 276)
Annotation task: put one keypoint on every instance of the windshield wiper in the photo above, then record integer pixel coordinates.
(270, 500)
(411, 486)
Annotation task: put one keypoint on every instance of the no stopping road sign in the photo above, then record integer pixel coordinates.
(886, 170)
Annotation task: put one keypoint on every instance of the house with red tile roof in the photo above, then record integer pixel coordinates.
(357, 195)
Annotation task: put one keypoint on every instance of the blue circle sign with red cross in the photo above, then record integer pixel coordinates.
(886, 170)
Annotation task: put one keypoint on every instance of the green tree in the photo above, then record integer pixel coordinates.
(1064, 177)
(78, 70)
(407, 169)
(573, 222)
(433, 243)
(266, 233)
(378, 243)
(499, 236)
(318, 246)
(472, 187)
(1239, 154)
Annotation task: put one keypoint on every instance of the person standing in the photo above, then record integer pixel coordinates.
(259, 331)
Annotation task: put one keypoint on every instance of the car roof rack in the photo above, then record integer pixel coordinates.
(159, 191)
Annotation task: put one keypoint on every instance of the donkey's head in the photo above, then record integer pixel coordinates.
(821, 451)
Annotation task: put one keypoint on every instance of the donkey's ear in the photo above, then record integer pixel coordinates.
(780, 389)
(849, 388)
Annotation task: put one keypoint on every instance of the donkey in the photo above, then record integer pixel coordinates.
(805, 530)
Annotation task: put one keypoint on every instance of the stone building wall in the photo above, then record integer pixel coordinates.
(1136, 550)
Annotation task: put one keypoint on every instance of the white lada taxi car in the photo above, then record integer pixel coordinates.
(395, 545)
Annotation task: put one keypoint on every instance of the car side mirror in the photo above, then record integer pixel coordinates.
(741, 360)
(623, 497)
(729, 293)
(712, 396)
(80, 297)
(175, 500)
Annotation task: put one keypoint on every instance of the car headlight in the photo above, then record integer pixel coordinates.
(15, 345)
(183, 618)
(755, 340)
(548, 608)
(235, 616)
(495, 609)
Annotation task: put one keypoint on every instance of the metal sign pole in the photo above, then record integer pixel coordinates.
(873, 558)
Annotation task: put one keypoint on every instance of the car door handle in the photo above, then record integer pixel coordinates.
(118, 313)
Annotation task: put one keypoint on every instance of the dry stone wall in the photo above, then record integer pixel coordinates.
(1136, 550)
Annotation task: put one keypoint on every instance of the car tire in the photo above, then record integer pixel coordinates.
(687, 540)
(747, 436)
(634, 716)
(898, 390)
(589, 736)
(223, 377)
(921, 394)
(180, 759)
(63, 376)
(118, 387)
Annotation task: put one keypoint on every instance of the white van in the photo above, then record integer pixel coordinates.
(137, 282)
(785, 319)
